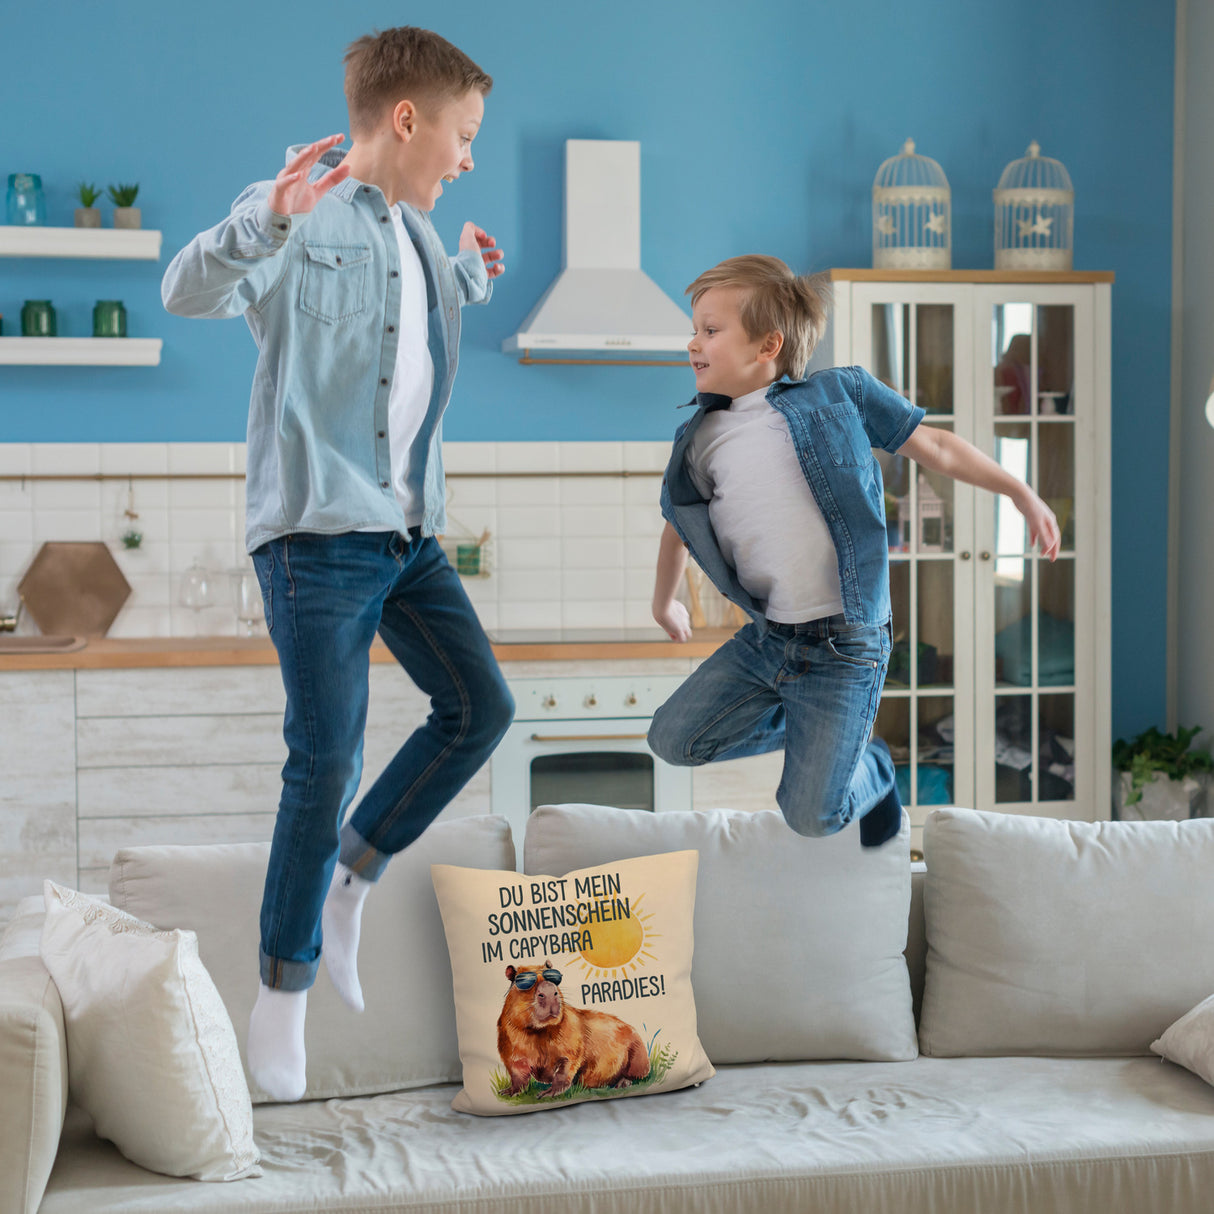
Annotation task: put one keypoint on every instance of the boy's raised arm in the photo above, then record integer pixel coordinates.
(943, 451)
(672, 564)
(229, 267)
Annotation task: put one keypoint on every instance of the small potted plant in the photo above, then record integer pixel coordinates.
(87, 215)
(1161, 775)
(126, 214)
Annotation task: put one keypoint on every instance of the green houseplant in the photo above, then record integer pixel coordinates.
(126, 214)
(87, 215)
(1160, 775)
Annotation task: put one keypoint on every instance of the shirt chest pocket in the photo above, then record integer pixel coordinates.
(843, 436)
(334, 283)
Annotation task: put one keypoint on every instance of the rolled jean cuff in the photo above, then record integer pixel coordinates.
(359, 856)
(282, 975)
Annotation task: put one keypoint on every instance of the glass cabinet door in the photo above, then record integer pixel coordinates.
(918, 341)
(1033, 406)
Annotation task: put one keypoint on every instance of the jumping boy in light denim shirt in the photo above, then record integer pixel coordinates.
(355, 308)
(773, 487)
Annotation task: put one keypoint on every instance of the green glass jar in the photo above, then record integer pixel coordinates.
(109, 318)
(38, 318)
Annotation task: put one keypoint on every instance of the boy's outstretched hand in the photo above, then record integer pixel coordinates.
(1043, 526)
(473, 237)
(293, 193)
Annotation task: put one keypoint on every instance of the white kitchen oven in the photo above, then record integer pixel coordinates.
(582, 738)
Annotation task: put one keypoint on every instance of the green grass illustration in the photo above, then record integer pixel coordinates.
(661, 1059)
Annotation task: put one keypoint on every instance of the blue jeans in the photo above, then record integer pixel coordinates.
(812, 689)
(325, 599)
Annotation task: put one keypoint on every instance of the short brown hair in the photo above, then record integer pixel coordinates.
(387, 66)
(776, 299)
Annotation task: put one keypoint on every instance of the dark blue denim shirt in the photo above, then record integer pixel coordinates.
(835, 418)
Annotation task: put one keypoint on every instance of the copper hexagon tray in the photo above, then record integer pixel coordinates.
(74, 588)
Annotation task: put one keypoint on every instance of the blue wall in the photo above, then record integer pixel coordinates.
(761, 129)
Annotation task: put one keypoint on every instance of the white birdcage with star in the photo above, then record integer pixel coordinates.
(912, 214)
(1034, 214)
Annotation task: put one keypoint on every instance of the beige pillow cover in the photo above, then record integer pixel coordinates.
(572, 988)
(1190, 1041)
(152, 1056)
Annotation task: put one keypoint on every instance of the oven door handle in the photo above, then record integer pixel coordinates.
(589, 737)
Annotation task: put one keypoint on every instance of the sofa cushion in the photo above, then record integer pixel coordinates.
(574, 987)
(1190, 1041)
(152, 1057)
(1056, 937)
(406, 1036)
(33, 1063)
(817, 925)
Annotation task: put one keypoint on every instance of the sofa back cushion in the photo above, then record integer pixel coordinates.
(798, 942)
(406, 1037)
(1063, 938)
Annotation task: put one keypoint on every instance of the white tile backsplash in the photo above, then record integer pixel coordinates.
(565, 550)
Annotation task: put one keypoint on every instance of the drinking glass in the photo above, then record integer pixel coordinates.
(197, 592)
(249, 609)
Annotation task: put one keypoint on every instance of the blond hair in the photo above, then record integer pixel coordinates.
(385, 67)
(775, 299)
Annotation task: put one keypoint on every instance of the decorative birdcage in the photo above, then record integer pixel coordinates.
(912, 214)
(1034, 214)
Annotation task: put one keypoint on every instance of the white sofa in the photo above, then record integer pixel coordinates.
(1083, 941)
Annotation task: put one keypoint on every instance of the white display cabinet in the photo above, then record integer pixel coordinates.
(999, 684)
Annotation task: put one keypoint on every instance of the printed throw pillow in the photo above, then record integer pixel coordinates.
(152, 1056)
(572, 988)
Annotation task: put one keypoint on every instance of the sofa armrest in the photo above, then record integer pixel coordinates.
(33, 1066)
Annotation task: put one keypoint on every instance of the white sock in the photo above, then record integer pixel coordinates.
(340, 923)
(277, 1059)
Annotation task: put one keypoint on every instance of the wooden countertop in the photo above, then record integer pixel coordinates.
(115, 654)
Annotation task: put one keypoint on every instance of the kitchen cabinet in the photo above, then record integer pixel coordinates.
(998, 690)
(106, 243)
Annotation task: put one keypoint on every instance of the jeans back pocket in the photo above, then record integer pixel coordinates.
(334, 283)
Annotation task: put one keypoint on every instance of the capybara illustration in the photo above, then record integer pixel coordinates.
(541, 1036)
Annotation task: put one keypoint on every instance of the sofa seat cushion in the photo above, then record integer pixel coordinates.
(1000, 1135)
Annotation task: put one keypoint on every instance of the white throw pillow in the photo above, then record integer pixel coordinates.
(574, 987)
(818, 926)
(1063, 938)
(1190, 1041)
(152, 1057)
(406, 1037)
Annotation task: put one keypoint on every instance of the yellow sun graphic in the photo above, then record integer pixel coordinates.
(619, 944)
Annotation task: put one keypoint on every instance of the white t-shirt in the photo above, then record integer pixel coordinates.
(413, 375)
(765, 516)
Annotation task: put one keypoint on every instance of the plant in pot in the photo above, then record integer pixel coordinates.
(1161, 775)
(87, 215)
(126, 214)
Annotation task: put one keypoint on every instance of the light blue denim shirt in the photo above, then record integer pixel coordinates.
(835, 418)
(321, 294)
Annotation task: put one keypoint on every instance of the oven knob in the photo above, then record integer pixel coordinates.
(630, 699)
(548, 702)
(591, 701)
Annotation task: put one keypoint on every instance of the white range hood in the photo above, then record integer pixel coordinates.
(602, 300)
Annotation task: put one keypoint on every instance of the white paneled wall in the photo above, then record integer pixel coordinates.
(568, 549)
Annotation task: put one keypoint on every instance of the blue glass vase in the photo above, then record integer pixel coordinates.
(26, 203)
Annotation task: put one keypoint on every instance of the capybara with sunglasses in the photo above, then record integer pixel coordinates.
(541, 1037)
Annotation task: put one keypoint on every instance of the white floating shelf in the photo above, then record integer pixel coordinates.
(135, 244)
(80, 351)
